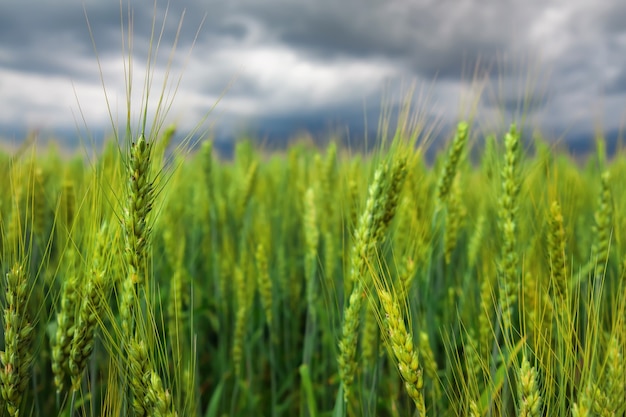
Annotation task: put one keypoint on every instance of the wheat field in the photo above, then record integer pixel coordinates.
(150, 279)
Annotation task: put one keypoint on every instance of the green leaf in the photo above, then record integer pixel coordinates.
(214, 404)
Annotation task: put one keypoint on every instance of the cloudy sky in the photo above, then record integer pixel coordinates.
(324, 66)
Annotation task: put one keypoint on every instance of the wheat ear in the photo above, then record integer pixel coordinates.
(18, 334)
(530, 400)
(94, 299)
(450, 167)
(70, 302)
(149, 397)
(380, 209)
(401, 343)
(140, 198)
(603, 227)
(508, 273)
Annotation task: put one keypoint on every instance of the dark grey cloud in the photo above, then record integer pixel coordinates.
(312, 64)
(432, 37)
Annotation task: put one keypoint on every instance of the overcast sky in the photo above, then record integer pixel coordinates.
(321, 65)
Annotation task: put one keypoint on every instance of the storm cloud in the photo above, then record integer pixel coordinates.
(275, 67)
